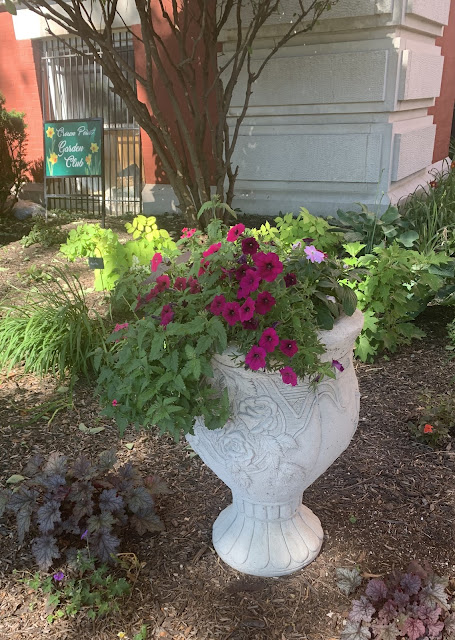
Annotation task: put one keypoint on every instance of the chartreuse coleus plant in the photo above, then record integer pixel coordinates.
(227, 288)
(82, 586)
(412, 606)
(395, 286)
(86, 502)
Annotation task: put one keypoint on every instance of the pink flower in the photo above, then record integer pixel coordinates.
(187, 233)
(194, 285)
(288, 376)
(212, 249)
(247, 310)
(288, 347)
(119, 327)
(152, 294)
(269, 340)
(337, 365)
(231, 313)
(203, 267)
(255, 358)
(156, 261)
(269, 265)
(234, 232)
(249, 283)
(250, 246)
(114, 403)
(217, 305)
(264, 302)
(167, 315)
(290, 279)
(180, 284)
(241, 271)
(314, 255)
(162, 283)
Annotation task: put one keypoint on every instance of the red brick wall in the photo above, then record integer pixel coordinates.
(443, 109)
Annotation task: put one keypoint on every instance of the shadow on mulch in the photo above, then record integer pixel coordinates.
(387, 500)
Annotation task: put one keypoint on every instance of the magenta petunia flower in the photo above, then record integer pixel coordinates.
(314, 255)
(114, 403)
(167, 315)
(288, 347)
(194, 285)
(163, 282)
(269, 265)
(249, 283)
(247, 310)
(203, 267)
(255, 358)
(156, 261)
(152, 294)
(234, 232)
(231, 313)
(250, 325)
(264, 302)
(250, 246)
(290, 279)
(337, 365)
(241, 271)
(269, 340)
(180, 284)
(212, 249)
(288, 376)
(217, 305)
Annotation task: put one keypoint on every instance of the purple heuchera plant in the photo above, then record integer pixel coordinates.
(411, 606)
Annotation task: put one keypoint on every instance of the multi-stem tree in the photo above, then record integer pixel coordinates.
(187, 83)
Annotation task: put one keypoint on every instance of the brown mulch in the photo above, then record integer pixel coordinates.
(386, 501)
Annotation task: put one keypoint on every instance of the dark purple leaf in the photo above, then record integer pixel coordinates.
(388, 613)
(144, 523)
(400, 599)
(376, 590)
(156, 485)
(33, 465)
(82, 469)
(5, 496)
(429, 614)
(413, 628)
(23, 521)
(411, 583)
(45, 550)
(125, 478)
(355, 631)
(53, 482)
(139, 499)
(103, 521)
(48, 515)
(106, 460)
(71, 525)
(83, 508)
(435, 629)
(81, 491)
(105, 546)
(22, 498)
(389, 632)
(435, 593)
(362, 610)
(110, 501)
(56, 464)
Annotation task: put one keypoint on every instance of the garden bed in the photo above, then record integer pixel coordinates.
(386, 501)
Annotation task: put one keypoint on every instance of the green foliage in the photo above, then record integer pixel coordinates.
(48, 234)
(13, 166)
(411, 606)
(373, 230)
(83, 587)
(53, 331)
(36, 169)
(435, 422)
(127, 288)
(158, 371)
(430, 211)
(290, 230)
(395, 286)
(80, 503)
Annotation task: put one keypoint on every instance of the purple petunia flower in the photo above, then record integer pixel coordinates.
(269, 265)
(288, 347)
(247, 310)
(288, 376)
(167, 315)
(250, 246)
(255, 358)
(250, 325)
(290, 279)
(249, 283)
(235, 231)
(264, 302)
(269, 340)
(231, 313)
(337, 365)
(314, 255)
(217, 305)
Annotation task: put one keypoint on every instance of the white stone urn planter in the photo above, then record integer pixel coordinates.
(278, 441)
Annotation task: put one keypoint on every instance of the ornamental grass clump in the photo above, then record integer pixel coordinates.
(229, 287)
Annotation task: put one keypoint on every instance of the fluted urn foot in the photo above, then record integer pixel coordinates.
(267, 539)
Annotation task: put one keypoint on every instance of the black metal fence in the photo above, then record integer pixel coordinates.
(74, 86)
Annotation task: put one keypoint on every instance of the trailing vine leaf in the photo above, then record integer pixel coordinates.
(348, 579)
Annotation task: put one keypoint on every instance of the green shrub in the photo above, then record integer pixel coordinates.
(13, 166)
(395, 287)
(435, 422)
(53, 331)
(48, 234)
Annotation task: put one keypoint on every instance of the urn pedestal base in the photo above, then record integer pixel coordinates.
(267, 539)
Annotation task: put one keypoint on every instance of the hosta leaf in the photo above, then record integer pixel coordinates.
(362, 610)
(82, 468)
(101, 522)
(139, 499)
(348, 580)
(106, 546)
(376, 590)
(110, 501)
(355, 631)
(144, 523)
(56, 464)
(45, 550)
(48, 515)
(107, 460)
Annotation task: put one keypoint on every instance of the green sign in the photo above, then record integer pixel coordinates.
(73, 148)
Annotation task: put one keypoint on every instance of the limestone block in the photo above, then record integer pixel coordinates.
(412, 151)
(325, 78)
(434, 10)
(303, 156)
(420, 75)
